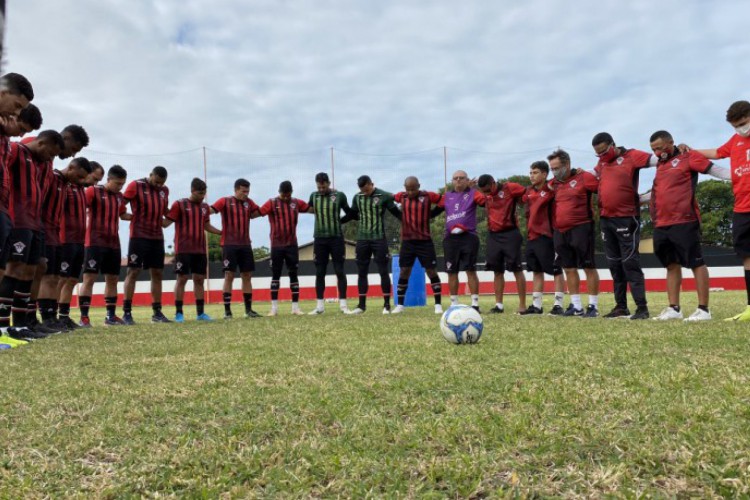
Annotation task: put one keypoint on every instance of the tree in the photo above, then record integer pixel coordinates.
(215, 254)
(716, 204)
(261, 252)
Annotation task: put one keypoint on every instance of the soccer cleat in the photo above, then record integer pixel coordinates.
(668, 313)
(47, 329)
(344, 310)
(618, 312)
(113, 321)
(386, 311)
(228, 315)
(476, 308)
(496, 310)
(68, 323)
(160, 318)
(572, 311)
(297, 312)
(316, 311)
(641, 312)
(85, 322)
(591, 311)
(178, 318)
(532, 309)
(127, 319)
(699, 315)
(357, 310)
(273, 312)
(23, 333)
(204, 317)
(438, 308)
(557, 310)
(251, 314)
(743, 316)
(398, 309)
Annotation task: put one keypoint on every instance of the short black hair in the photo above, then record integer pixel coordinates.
(540, 165)
(241, 183)
(95, 165)
(602, 137)
(660, 134)
(285, 187)
(51, 136)
(159, 172)
(322, 177)
(117, 172)
(738, 110)
(197, 184)
(17, 84)
(561, 155)
(485, 180)
(31, 116)
(78, 133)
(364, 180)
(83, 163)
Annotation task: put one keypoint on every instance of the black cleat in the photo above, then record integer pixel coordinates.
(572, 311)
(23, 333)
(618, 312)
(557, 310)
(496, 310)
(641, 313)
(532, 310)
(251, 314)
(160, 318)
(68, 323)
(591, 311)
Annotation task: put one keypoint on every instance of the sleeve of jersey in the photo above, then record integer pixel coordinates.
(302, 206)
(218, 205)
(641, 159)
(517, 190)
(435, 198)
(174, 212)
(590, 181)
(122, 207)
(725, 151)
(265, 209)
(130, 191)
(89, 194)
(698, 162)
(479, 198)
(166, 197)
(253, 206)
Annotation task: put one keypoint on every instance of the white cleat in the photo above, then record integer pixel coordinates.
(273, 312)
(386, 311)
(316, 311)
(398, 309)
(438, 309)
(356, 310)
(297, 312)
(699, 315)
(668, 313)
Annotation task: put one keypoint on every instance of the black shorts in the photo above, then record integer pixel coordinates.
(236, 257)
(576, 247)
(461, 252)
(741, 233)
(71, 260)
(288, 255)
(372, 249)
(53, 254)
(329, 246)
(190, 263)
(25, 246)
(411, 250)
(6, 226)
(102, 260)
(680, 244)
(541, 256)
(504, 251)
(146, 254)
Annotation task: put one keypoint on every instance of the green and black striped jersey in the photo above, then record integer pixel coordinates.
(370, 211)
(328, 209)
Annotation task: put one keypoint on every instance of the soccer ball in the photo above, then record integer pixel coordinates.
(461, 325)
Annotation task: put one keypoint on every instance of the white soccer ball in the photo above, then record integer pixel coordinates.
(461, 325)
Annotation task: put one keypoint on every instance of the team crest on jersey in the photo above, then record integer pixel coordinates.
(620, 160)
(19, 246)
(293, 205)
(226, 262)
(466, 196)
(133, 257)
(421, 199)
(675, 162)
(333, 197)
(245, 204)
(448, 265)
(178, 265)
(501, 194)
(64, 266)
(92, 263)
(543, 193)
(376, 199)
(161, 193)
(573, 184)
(203, 210)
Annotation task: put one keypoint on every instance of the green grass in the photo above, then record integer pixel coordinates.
(382, 407)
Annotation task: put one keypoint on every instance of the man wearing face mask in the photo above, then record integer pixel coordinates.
(573, 234)
(737, 149)
(618, 169)
(674, 212)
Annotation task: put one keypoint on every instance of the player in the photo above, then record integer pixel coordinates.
(192, 218)
(328, 240)
(16, 93)
(461, 243)
(24, 246)
(368, 207)
(416, 240)
(620, 221)
(149, 200)
(237, 252)
(504, 240)
(106, 207)
(283, 214)
(574, 230)
(540, 248)
(674, 212)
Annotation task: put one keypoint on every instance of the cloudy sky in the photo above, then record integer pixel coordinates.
(268, 87)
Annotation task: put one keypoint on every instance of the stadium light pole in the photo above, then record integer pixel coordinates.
(207, 295)
(445, 165)
(333, 171)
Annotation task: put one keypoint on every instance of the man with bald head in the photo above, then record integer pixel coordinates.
(416, 240)
(461, 243)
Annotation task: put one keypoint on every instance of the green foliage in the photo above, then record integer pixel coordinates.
(215, 254)
(261, 252)
(715, 202)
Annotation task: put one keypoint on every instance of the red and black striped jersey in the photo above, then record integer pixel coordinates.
(52, 207)
(5, 192)
(235, 219)
(190, 221)
(283, 217)
(103, 220)
(415, 214)
(27, 194)
(73, 227)
(148, 204)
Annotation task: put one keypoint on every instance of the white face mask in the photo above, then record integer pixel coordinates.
(743, 131)
(560, 174)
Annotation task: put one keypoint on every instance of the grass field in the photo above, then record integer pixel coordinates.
(382, 407)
